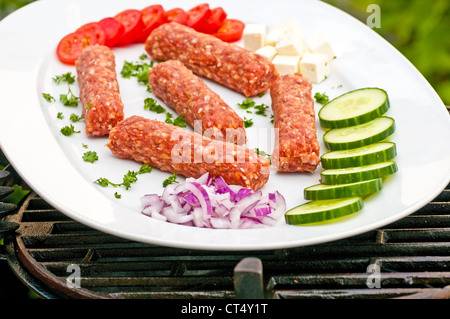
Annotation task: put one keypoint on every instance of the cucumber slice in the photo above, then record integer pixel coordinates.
(359, 135)
(322, 191)
(353, 108)
(370, 154)
(323, 210)
(358, 173)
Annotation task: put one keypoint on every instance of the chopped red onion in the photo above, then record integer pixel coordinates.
(212, 203)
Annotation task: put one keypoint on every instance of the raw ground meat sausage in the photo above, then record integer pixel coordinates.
(99, 90)
(226, 63)
(173, 149)
(296, 147)
(190, 97)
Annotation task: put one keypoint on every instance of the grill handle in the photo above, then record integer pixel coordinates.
(248, 279)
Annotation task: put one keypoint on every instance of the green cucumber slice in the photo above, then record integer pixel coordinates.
(322, 191)
(358, 173)
(359, 135)
(370, 154)
(353, 108)
(323, 210)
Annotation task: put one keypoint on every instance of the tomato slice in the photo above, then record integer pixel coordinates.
(113, 30)
(95, 29)
(198, 17)
(218, 16)
(70, 46)
(131, 19)
(230, 31)
(176, 15)
(153, 17)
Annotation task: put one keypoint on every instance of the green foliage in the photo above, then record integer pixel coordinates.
(419, 29)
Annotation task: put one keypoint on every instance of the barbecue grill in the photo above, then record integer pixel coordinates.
(57, 257)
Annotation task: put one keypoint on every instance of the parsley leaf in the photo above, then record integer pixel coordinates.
(178, 121)
(90, 156)
(129, 178)
(170, 180)
(75, 118)
(151, 105)
(248, 122)
(60, 115)
(321, 98)
(261, 109)
(69, 99)
(68, 130)
(48, 97)
(247, 103)
(66, 77)
(138, 69)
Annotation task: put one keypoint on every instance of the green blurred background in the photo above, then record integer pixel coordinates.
(419, 29)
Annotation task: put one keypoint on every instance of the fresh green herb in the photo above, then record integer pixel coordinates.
(151, 105)
(145, 169)
(68, 130)
(69, 99)
(170, 180)
(272, 118)
(67, 77)
(247, 103)
(129, 178)
(262, 153)
(321, 98)
(248, 122)
(261, 109)
(138, 69)
(84, 145)
(143, 56)
(88, 106)
(48, 97)
(178, 121)
(60, 116)
(75, 118)
(261, 94)
(90, 156)
(117, 195)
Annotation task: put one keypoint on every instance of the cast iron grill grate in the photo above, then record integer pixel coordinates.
(410, 258)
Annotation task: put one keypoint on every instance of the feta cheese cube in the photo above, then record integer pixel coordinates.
(254, 36)
(290, 44)
(318, 43)
(315, 67)
(286, 26)
(268, 52)
(286, 64)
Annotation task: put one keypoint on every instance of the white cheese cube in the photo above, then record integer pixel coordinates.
(286, 26)
(254, 36)
(290, 44)
(286, 64)
(315, 67)
(267, 52)
(318, 43)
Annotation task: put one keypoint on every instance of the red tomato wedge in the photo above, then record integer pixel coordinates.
(176, 15)
(218, 16)
(113, 30)
(95, 29)
(153, 17)
(70, 46)
(198, 17)
(132, 21)
(230, 31)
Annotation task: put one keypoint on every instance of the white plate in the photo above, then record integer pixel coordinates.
(51, 163)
